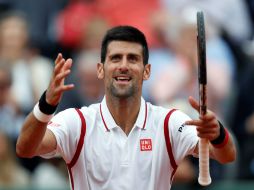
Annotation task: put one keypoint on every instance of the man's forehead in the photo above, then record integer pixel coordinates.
(124, 47)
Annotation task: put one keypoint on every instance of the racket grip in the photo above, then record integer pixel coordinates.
(204, 178)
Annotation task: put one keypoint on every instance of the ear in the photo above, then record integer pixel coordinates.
(100, 71)
(147, 72)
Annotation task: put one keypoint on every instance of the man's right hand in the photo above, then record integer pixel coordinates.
(35, 139)
(57, 87)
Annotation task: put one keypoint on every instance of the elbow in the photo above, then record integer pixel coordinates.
(227, 160)
(22, 153)
(231, 157)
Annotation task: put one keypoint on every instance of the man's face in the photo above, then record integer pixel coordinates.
(123, 71)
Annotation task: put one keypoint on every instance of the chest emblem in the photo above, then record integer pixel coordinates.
(146, 145)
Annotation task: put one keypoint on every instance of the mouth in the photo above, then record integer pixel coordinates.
(122, 78)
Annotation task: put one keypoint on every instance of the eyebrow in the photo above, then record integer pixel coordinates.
(129, 54)
(134, 54)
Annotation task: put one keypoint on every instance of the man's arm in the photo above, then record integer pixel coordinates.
(224, 154)
(35, 139)
(208, 127)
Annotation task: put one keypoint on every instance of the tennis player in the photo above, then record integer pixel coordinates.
(122, 142)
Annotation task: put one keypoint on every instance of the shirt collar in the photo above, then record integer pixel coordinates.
(109, 122)
(142, 115)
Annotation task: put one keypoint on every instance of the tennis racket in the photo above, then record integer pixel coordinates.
(204, 171)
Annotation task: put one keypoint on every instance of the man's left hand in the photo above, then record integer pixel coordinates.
(207, 125)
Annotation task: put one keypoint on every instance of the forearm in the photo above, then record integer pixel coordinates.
(31, 136)
(221, 147)
(224, 154)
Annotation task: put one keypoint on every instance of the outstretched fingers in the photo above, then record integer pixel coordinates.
(194, 103)
(59, 66)
(57, 86)
(59, 58)
(63, 69)
(205, 129)
(207, 125)
(60, 89)
(61, 76)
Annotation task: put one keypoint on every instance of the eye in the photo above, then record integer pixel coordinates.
(115, 58)
(133, 58)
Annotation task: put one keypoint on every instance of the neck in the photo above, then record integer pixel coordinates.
(124, 111)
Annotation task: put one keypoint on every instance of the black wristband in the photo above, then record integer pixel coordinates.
(45, 107)
(220, 139)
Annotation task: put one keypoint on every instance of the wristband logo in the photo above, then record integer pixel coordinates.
(146, 145)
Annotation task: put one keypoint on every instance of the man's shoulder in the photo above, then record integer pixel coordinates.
(162, 111)
(90, 111)
(85, 110)
(93, 106)
(158, 110)
(72, 117)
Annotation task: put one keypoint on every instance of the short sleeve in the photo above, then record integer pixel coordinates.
(183, 137)
(66, 127)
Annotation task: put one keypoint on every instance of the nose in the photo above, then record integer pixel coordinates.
(124, 66)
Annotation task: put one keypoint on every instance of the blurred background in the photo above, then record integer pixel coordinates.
(33, 32)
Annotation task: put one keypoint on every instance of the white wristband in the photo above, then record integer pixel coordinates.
(42, 117)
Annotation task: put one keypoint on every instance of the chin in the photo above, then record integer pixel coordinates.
(118, 91)
(122, 93)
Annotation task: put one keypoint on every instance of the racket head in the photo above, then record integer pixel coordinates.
(202, 76)
(201, 45)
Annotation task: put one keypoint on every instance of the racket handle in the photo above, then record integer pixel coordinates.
(204, 178)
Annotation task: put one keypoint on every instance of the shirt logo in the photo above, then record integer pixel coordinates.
(181, 128)
(146, 144)
(53, 124)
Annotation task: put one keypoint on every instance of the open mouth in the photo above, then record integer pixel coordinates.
(122, 78)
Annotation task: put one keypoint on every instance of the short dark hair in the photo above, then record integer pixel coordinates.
(124, 33)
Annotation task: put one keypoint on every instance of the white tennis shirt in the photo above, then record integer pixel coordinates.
(107, 159)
